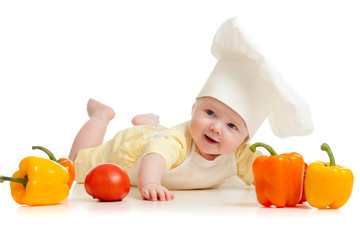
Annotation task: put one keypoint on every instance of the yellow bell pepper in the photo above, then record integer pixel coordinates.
(328, 185)
(38, 181)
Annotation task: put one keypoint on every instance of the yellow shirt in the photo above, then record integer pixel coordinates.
(173, 144)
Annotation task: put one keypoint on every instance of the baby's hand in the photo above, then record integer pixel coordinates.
(154, 192)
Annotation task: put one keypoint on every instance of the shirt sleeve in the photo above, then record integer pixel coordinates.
(170, 144)
(245, 158)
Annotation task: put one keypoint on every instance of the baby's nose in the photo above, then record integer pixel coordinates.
(216, 129)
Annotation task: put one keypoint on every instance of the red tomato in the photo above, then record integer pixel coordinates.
(107, 182)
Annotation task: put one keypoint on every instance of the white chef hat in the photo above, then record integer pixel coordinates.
(246, 81)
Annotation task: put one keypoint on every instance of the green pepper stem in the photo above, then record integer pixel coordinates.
(325, 147)
(23, 180)
(267, 147)
(48, 152)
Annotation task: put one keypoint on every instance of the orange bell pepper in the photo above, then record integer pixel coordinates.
(328, 185)
(67, 163)
(278, 178)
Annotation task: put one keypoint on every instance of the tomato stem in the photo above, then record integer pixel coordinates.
(48, 152)
(325, 147)
(267, 147)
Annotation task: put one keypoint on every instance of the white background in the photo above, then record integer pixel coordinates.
(154, 56)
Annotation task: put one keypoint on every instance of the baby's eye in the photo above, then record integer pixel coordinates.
(210, 113)
(232, 126)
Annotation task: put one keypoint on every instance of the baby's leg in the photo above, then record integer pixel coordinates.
(146, 119)
(93, 132)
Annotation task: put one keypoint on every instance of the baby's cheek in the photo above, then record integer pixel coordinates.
(195, 124)
(233, 143)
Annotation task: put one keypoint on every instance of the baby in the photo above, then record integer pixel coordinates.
(241, 92)
(215, 128)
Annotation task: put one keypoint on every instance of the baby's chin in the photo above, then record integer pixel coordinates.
(208, 156)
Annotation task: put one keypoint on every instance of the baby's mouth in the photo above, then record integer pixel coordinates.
(210, 140)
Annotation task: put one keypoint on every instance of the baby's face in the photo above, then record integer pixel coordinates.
(216, 128)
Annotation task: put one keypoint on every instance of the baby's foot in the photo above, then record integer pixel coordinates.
(101, 111)
(146, 119)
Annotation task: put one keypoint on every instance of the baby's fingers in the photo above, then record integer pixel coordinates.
(153, 194)
(158, 194)
(164, 194)
(168, 195)
(149, 194)
(145, 194)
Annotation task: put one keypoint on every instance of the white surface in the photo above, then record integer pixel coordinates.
(229, 211)
(154, 56)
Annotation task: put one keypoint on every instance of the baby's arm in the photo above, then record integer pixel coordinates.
(152, 168)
